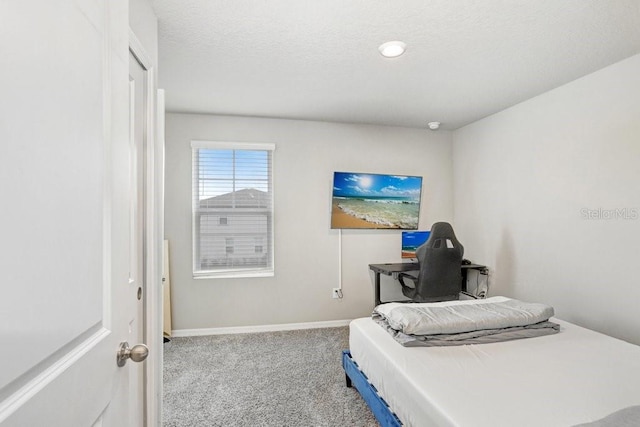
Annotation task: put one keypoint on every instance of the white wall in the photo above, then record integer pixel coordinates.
(306, 252)
(522, 178)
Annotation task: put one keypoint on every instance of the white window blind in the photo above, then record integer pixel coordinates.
(232, 209)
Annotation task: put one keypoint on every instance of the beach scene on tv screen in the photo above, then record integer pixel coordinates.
(362, 200)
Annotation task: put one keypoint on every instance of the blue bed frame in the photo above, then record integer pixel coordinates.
(356, 378)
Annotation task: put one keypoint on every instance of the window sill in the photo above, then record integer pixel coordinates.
(233, 275)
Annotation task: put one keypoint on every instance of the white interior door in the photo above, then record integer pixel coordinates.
(137, 248)
(65, 221)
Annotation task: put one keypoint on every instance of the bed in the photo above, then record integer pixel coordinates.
(564, 379)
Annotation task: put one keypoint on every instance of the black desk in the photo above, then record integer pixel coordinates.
(394, 269)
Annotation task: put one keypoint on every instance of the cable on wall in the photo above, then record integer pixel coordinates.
(339, 258)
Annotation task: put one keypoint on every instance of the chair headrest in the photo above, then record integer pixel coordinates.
(442, 236)
(441, 230)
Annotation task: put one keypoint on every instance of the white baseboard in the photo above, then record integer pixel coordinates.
(258, 328)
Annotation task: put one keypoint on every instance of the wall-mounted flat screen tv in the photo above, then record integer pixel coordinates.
(412, 240)
(367, 200)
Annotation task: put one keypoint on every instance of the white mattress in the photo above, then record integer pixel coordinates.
(571, 377)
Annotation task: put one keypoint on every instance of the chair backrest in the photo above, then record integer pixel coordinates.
(440, 258)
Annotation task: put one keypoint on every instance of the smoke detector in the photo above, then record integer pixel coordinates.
(434, 125)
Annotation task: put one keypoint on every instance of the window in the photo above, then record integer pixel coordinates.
(232, 209)
(229, 245)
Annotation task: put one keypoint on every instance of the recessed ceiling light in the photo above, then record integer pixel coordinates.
(392, 49)
(434, 125)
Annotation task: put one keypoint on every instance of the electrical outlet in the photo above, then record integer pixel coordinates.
(336, 293)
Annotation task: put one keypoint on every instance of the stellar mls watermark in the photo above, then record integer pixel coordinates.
(610, 214)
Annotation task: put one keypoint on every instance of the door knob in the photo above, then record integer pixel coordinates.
(137, 353)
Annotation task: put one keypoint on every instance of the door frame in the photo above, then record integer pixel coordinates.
(154, 235)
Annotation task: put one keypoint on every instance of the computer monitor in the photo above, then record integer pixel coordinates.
(411, 240)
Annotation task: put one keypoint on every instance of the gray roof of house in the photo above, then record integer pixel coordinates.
(246, 198)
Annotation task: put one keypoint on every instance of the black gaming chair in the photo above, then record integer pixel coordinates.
(440, 276)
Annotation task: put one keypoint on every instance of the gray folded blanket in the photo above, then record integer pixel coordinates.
(464, 322)
(484, 336)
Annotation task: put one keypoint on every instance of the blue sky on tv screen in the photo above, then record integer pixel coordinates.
(348, 184)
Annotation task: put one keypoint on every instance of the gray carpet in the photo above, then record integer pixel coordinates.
(291, 378)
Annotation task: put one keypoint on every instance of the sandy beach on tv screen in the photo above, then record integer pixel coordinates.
(339, 219)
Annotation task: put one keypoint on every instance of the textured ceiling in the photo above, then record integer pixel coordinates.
(319, 60)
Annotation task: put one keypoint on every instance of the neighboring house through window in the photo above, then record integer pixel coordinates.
(232, 209)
